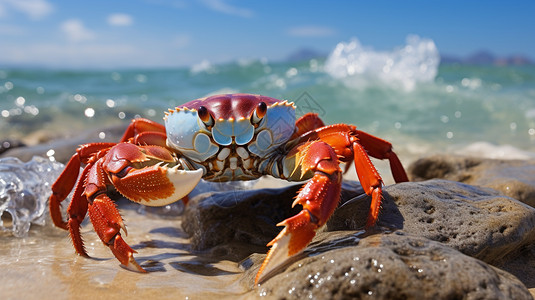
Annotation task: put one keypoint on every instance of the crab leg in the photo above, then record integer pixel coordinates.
(370, 180)
(382, 149)
(77, 211)
(140, 125)
(66, 181)
(319, 197)
(306, 123)
(341, 136)
(107, 223)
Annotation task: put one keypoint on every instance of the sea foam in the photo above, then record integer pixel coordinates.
(404, 67)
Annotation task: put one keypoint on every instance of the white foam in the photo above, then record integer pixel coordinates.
(204, 66)
(488, 150)
(403, 67)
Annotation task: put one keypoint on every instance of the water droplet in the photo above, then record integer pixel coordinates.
(79, 98)
(141, 78)
(20, 101)
(121, 115)
(291, 72)
(449, 134)
(110, 103)
(89, 112)
(102, 135)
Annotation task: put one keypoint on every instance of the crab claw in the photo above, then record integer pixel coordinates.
(149, 175)
(299, 231)
(157, 185)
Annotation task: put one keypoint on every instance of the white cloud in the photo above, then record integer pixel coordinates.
(311, 31)
(223, 7)
(34, 9)
(120, 19)
(75, 31)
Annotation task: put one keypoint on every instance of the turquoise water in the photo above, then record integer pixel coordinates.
(449, 108)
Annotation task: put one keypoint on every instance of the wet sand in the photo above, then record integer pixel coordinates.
(45, 266)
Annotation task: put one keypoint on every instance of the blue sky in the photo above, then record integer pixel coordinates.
(158, 33)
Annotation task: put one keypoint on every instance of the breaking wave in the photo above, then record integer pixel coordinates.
(403, 67)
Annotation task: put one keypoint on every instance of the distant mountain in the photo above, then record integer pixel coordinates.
(487, 58)
(482, 57)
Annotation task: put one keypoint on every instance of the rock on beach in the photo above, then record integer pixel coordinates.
(435, 239)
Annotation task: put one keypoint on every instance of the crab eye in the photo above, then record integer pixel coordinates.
(259, 113)
(205, 117)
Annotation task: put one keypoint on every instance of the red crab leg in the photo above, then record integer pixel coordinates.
(319, 197)
(348, 148)
(76, 213)
(341, 137)
(370, 180)
(382, 149)
(107, 223)
(67, 179)
(151, 138)
(306, 123)
(140, 125)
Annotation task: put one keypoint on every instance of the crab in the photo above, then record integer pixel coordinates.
(220, 138)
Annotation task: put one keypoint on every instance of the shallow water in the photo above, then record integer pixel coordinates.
(47, 260)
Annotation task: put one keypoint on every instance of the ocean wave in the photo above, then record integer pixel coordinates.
(404, 67)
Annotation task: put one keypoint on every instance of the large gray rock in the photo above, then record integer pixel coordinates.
(214, 219)
(514, 178)
(477, 221)
(388, 266)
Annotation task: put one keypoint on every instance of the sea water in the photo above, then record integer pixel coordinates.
(404, 95)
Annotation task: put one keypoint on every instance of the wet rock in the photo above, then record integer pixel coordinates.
(477, 221)
(65, 148)
(390, 266)
(213, 219)
(514, 178)
(8, 144)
